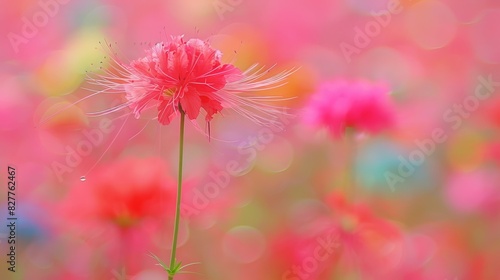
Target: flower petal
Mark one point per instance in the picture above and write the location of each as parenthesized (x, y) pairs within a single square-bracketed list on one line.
[(166, 112), (191, 104)]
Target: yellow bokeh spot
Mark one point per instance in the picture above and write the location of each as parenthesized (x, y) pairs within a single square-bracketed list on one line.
[(63, 71), (193, 12), (466, 150), (242, 45)]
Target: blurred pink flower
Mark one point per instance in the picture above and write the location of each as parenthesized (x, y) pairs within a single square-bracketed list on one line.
[(473, 192), (189, 75), (338, 105)]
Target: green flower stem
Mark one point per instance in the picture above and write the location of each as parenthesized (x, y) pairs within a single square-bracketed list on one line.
[(179, 193), (352, 163), (350, 146)]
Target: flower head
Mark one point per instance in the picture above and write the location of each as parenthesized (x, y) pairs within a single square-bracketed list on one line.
[(188, 76), (338, 105)]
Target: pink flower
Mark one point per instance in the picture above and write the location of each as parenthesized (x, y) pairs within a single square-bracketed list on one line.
[(341, 104), (473, 192), (189, 75)]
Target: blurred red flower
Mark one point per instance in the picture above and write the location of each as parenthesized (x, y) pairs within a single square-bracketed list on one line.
[(369, 244), (121, 210), (351, 239), (127, 192)]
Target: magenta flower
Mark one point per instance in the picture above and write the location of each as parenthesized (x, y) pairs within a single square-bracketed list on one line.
[(338, 105), (189, 75)]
